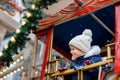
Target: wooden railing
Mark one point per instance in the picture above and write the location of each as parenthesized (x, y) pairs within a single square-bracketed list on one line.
[(80, 72), (87, 67)]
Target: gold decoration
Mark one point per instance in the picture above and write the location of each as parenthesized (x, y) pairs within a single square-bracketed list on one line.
[(13, 40)]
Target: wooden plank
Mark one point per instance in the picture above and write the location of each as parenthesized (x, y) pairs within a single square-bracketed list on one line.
[(71, 71)]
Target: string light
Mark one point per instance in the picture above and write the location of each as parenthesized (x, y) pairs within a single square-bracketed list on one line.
[(8, 74), (4, 77), (18, 60), (4, 70), (0, 53), (26, 26), (23, 22), (33, 6), (15, 71), (1, 72), (18, 69), (11, 73), (18, 31), (28, 14), (6, 47), (21, 57), (14, 62), (22, 67)]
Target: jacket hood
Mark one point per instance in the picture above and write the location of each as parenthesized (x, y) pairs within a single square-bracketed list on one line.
[(95, 50)]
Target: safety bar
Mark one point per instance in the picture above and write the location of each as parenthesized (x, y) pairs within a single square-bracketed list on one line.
[(80, 72)]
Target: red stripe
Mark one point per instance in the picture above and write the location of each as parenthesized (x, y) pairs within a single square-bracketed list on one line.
[(117, 39)]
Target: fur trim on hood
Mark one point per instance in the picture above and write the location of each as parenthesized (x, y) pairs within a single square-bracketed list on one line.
[(95, 50)]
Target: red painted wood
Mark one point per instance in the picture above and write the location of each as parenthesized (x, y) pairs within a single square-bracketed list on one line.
[(47, 51), (72, 11), (117, 39)]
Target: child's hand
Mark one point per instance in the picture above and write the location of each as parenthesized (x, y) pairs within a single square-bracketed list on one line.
[(88, 62), (62, 69)]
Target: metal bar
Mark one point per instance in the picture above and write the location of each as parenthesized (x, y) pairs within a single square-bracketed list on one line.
[(71, 71), (102, 24)]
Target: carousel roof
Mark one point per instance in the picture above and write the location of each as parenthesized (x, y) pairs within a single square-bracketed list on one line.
[(99, 16)]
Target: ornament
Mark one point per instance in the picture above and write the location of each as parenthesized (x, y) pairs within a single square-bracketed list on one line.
[(13, 40), (18, 31)]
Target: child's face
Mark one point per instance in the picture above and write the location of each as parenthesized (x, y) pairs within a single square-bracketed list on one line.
[(76, 53)]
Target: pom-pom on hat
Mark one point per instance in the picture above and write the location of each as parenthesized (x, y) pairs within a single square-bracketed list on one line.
[(83, 41)]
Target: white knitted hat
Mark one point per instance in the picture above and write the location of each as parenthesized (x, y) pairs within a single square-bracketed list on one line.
[(83, 41)]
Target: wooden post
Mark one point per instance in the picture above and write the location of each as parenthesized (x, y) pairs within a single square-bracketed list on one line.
[(63, 77), (80, 75), (47, 51), (34, 52), (50, 56), (117, 38)]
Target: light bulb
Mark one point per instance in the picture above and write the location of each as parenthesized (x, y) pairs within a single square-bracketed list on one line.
[(29, 14), (6, 46), (0, 53), (23, 22), (18, 31), (33, 6), (18, 60), (21, 57)]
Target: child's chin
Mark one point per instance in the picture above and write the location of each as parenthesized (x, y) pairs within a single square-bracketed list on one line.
[(73, 58)]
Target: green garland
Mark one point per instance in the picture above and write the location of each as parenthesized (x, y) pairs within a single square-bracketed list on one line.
[(20, 37)]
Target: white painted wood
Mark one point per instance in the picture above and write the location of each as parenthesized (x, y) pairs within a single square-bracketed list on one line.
[(54, 8), (8, 22), (2, 33)]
